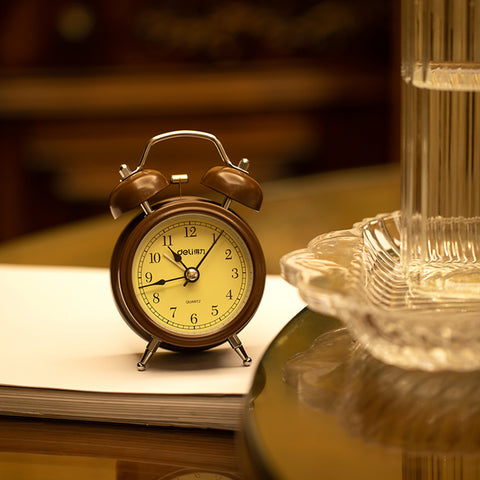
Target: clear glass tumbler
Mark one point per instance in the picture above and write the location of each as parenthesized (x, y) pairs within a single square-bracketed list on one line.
[(441, 147)]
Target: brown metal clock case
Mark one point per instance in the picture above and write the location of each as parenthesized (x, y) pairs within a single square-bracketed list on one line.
[(121, 273)]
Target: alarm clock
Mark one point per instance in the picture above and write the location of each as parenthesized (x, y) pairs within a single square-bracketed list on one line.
[(187, 273)]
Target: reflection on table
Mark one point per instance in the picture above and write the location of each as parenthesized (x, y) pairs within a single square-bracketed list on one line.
[(39, 449), (322, 407)]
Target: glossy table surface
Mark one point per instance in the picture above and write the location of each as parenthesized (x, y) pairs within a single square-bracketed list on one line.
[(44, 449), (294, 211), (322, 407)]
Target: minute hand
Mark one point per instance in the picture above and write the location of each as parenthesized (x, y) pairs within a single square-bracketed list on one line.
[(209, 250)]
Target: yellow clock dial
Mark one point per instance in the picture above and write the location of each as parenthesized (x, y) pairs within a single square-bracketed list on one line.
[(192, 274)]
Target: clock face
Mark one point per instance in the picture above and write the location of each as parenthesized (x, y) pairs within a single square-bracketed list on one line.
[(192, 274)]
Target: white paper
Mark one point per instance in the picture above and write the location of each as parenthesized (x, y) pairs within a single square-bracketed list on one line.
[(59, 328)]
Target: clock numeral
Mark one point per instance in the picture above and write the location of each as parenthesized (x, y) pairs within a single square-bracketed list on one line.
[(155, 257), (234, 272), (148, 277), (214, 311), (173, 310), (228, 254), (156, 298), (229, 295), (167, 240), (190, 232), (193, 318)]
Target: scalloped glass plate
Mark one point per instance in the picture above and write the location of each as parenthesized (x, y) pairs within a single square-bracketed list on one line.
[(356, 276)]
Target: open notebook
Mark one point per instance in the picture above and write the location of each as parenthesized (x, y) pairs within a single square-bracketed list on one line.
[(65, 352)]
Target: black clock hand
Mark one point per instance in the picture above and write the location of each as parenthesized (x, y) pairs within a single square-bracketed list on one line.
[(162, 281), (209, 250), (194, 271), (173, 262), (177, 257)]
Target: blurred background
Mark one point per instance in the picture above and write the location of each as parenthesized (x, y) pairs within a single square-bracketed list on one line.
[(297, 86)]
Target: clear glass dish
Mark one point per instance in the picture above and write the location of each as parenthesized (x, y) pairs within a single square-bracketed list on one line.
[(356, 276)]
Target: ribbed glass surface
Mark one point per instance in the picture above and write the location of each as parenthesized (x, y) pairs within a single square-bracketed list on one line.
[(356, 275), (441, 145)]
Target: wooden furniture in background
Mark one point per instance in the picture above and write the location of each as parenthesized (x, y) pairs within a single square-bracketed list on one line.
[(298, 88)]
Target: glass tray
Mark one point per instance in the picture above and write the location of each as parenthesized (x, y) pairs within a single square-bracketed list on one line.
[(356, 276)]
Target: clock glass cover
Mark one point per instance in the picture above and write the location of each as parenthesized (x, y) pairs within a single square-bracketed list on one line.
[(192, 274)]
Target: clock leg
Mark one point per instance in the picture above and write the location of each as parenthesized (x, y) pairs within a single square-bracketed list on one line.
[(236, 344), (149, 351)]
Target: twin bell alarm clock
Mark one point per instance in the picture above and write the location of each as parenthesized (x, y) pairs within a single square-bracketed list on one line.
[(187, 273)]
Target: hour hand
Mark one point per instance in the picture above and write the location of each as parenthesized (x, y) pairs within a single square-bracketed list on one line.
[(173, 262), (177, 257)]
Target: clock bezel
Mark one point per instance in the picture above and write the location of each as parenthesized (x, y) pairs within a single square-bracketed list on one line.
[(122, 283)]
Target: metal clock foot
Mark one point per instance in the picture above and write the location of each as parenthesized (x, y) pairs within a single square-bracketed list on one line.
[(236, 344), (152, 346)]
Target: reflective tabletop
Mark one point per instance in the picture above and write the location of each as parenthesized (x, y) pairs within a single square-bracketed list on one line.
[(321, 407), (37, 449), (294, 211)]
